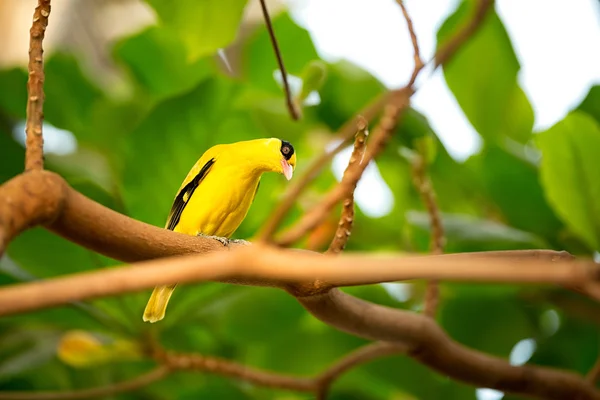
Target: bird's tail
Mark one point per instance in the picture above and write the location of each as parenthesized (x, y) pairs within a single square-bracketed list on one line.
[(157, 304)]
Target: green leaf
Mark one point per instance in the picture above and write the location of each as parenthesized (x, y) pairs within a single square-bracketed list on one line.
[(13, 82), (70, 95), (483, 78), (283, 311), (313, 76), (346, 91), (570, 173), (176, 133), (465, 233), (23, 350), (259, 62), (591, 103), (574, 347), (511, 190), (486, 314), (12, 154), (203, 26), (159, 62), (53, 256)]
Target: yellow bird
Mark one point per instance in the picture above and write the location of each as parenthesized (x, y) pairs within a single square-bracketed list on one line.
[(217, 193)]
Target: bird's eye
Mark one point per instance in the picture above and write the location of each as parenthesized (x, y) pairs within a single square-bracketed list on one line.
[(287, 150)]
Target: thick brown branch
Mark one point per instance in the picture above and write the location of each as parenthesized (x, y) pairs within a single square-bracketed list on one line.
[(34, 154), (30, 199), (429, 345), (260, 265), (95, 227), (99, 392), (445, 52), (43, 197), (344, 135), (361, 355), (344, 229), (288, 93), (119, 236), (392, 111)]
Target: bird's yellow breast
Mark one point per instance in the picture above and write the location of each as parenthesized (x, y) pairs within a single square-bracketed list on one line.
[(219, 205), (217, 193)]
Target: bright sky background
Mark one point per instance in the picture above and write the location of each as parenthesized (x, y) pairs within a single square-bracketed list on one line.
[(555, 41)]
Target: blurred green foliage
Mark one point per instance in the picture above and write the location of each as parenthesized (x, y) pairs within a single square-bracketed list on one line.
[(134, 150)]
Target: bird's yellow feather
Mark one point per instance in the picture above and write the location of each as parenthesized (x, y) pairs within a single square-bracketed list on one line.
[(217, 193)]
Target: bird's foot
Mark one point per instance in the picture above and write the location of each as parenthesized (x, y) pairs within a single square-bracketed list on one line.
[(224, 241), (240, 241)]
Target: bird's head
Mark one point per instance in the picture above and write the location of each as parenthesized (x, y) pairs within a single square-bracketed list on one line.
[(262, 155), (280, 156), (288, 159)]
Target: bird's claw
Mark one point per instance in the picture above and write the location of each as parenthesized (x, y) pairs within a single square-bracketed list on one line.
[(224, 241), (240, 241)]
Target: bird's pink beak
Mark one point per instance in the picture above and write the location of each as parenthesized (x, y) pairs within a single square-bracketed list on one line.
[(288, 171)]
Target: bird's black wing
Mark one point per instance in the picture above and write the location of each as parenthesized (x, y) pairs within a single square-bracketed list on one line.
[(185, 194)]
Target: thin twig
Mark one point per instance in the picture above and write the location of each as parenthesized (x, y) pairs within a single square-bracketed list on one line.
[(343, 136), (104, 391), (344, 228), (443, 54), (219, 366), (425, 188), (359, 356), (288, 93), (381, 135), (34, 153), (413, 37), (397, 103), (446, 51)]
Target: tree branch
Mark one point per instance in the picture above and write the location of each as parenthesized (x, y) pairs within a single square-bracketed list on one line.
[(260, 265), (425, 188), (346, 132), (429, 345), (344, 229), (306, 275), (359, 356), (43, 197), (34, 154), (443, 54), (219, 366), (288, 93), (104, 391), (30, 199), (413, 37), (384, 129), (446, 51)]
